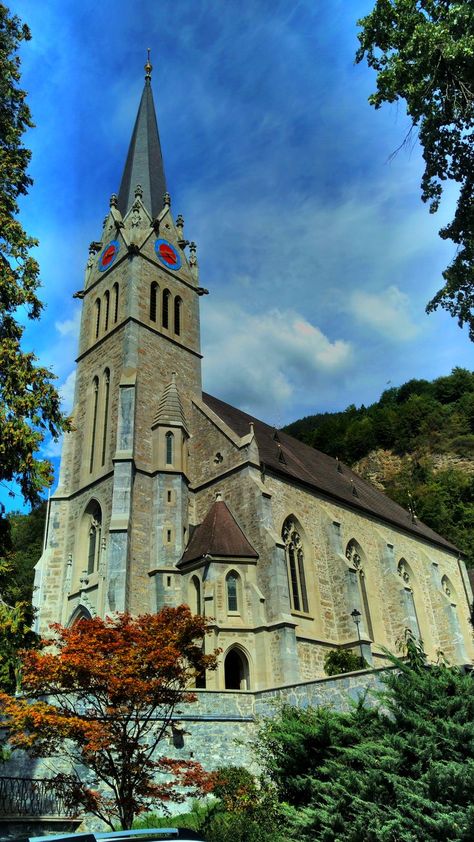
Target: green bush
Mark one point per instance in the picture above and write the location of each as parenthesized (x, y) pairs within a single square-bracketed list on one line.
[(236, 787), (338, 661)]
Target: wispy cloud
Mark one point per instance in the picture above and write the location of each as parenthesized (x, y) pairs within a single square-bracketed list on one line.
[(389, 312)]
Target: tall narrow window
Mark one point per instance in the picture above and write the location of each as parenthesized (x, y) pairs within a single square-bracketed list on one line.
[(95, 401), (106, 412), (411, 616), (196, 595), (97, 317), (115, 290), (355, 556), (177, 315), (232, 582), (365, 603), (295, 566), (169, 448), (107, 310), (153, 300), (94, 515), (165, 316)]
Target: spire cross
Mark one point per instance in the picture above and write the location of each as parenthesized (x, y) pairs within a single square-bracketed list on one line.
[(148, 66)]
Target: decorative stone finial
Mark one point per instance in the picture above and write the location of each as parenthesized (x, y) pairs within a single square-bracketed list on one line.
[(192, 254), (180, 222), (148, 67), (113, 200), (167, 200), (138, 192)]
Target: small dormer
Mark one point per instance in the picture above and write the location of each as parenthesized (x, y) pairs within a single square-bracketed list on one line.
[(170, 432)]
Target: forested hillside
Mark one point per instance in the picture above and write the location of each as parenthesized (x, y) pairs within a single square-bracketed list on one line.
[(417, 443)]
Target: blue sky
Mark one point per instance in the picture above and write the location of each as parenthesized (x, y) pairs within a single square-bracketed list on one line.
[(317, 250)]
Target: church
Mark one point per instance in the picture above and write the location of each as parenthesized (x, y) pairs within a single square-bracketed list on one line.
[(169, 495)]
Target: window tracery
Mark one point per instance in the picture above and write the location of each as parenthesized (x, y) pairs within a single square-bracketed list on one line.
[(405, 573), (93, 516), (295, 566), (354, 557)]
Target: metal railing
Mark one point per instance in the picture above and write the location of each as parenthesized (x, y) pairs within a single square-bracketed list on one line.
[(32, 797)]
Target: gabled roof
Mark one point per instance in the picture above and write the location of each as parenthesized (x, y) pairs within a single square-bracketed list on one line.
[(144, 164), (294, 460), (219, 535)]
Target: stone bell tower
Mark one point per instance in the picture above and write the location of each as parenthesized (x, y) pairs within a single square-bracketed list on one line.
[(120, 513)]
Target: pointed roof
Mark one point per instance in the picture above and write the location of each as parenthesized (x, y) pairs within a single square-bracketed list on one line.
[(218, 535), (170, 409), (291, 459), (144, 164)]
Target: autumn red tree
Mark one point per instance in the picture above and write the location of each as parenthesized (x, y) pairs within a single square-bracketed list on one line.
[(103, 694)]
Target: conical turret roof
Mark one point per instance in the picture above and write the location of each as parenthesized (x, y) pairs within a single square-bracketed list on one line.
[(218, 535), (144, 164), (170, 409)]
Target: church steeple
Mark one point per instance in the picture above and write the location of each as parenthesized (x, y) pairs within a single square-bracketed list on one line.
[(144, 164)]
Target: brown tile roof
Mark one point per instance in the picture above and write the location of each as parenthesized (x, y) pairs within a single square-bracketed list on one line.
[(290, 458), (218, 535)]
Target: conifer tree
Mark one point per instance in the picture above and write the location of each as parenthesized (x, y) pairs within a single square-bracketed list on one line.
[(399, 770)]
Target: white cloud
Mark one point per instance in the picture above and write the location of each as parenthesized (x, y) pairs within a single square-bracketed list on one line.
[(389, 312), (66, 391), (70, 327), (265, 363)]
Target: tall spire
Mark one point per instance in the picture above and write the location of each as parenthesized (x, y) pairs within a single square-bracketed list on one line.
[(144, 164)]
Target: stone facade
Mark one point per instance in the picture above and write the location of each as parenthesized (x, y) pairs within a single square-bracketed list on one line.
[(148, 458)]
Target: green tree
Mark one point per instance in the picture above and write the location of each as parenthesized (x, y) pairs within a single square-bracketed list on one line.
[(26, 545), (29, 403), (398, 770), (15, 636), (423, 52)]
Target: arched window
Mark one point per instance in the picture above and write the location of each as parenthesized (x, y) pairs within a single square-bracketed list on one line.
[(295, 566), (153, 301), (106, 412), (95, 401), (177, 315), (355, 556), (236, 670), (107, 309), (80, 613), (232, 583), (411, 616), (115, 290), (94, 516), (196, 595), (97, 317), (169, 447), (165, 315)]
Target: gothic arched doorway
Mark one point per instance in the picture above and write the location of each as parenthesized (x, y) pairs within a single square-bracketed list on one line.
[(236, 671)]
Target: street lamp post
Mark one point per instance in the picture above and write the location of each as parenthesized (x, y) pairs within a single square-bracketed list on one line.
[(356, 615)]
